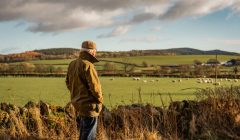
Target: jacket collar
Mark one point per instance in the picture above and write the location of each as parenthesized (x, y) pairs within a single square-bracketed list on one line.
[(89, 57)]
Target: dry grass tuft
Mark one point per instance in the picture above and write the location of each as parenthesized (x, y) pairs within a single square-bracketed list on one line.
[(214, 116)]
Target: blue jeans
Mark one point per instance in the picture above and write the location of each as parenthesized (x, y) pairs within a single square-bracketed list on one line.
[(88, 128)]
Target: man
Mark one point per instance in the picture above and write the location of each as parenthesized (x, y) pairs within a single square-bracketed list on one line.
[(86, 94)]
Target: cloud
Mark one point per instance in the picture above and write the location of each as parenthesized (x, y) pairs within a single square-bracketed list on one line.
[(193, 8), (236, 7), (55, 15), (145, 39), (229, 42), (65, 15), (62, 15), (156, 29), (142, 18), (116, 32)]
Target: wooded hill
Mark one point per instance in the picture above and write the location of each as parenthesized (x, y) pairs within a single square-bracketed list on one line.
[(70, 53), (57, 51), (172, 51)]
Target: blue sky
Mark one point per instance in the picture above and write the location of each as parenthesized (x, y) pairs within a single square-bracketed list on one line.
[(119, 26)]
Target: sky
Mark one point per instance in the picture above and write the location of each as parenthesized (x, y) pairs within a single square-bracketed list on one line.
[(119, 25)]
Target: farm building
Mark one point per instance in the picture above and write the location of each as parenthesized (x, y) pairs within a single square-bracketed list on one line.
[(233, 62)]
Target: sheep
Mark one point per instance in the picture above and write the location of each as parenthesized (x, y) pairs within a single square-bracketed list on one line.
[(174, 81), (205, 81), (136, 78), (145, 81), (211, 81), (180, 80), (235, 80), (217, 83), (111, 79), (199, 80)]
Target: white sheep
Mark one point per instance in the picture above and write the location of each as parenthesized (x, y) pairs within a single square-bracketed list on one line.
[(205, 81), (136, 78)]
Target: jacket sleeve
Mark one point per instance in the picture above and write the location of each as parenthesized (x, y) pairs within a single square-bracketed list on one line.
[(94, 83), (67, 81)]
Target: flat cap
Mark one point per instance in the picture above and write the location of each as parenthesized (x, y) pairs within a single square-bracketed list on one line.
[(89, 45)]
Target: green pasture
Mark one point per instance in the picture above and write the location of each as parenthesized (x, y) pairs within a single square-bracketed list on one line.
[(171, 60), (119, 91), (150, 60), (53, 62)]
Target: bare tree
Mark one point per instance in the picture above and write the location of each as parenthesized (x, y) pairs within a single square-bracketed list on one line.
[(126, 64), (109, 66), (235, 71)]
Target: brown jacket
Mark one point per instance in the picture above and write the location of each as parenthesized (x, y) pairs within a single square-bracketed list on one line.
[(84, 85)]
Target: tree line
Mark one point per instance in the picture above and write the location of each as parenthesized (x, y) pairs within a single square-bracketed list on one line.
[(191, 70), (28, 68)]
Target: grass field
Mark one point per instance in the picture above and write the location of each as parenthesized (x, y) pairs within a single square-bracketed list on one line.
[(154, 60), (169, 60), (150, 60), (121, 90)]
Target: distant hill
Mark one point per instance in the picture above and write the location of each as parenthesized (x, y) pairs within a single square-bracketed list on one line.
[(221, 52), (57, 51), (189, 51), (69, 53), (172, 51), (185, 51)]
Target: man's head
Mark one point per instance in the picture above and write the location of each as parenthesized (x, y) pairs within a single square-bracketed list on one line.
[(90, 47)]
